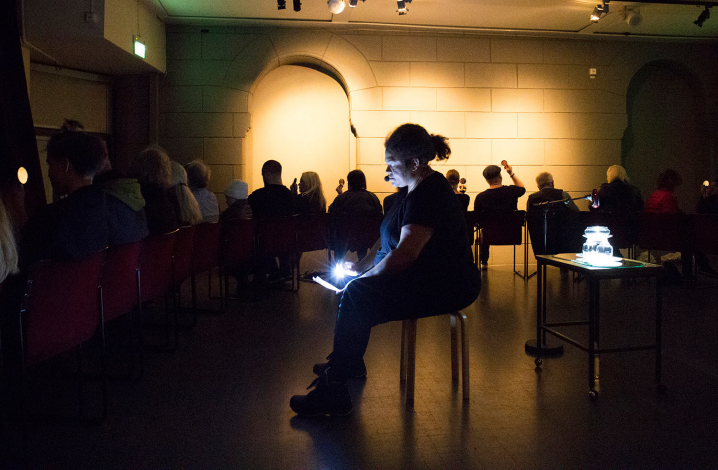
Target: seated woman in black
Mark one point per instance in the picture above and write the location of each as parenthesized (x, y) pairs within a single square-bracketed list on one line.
[(423, 267)]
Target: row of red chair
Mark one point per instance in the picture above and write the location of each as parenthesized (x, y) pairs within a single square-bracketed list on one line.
[(67, 303)]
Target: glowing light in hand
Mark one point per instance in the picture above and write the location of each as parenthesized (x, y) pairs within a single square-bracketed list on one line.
[(340, 271)]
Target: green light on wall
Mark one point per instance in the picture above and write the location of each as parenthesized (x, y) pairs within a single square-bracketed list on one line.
[(139, 47)]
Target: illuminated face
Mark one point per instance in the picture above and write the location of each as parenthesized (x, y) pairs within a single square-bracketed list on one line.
[(57, 171), (399, 175)]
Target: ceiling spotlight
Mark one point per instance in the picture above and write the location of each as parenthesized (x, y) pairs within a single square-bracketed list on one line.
[(281, 4), (632, 17), (705, 14), (336, 6), (599, 11), (297, 5), (353, 3)]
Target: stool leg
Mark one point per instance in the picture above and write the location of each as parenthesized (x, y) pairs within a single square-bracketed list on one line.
[(464, 356), (411, 362), (402, 356), (454, 352)]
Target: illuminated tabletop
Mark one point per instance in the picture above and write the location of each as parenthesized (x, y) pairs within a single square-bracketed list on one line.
[(624, 268)]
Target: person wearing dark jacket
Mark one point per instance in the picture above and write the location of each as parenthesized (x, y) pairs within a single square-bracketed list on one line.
[(618, 194), (125, 207)]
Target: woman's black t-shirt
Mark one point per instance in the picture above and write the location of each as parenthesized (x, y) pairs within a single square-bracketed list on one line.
[(431, 204)]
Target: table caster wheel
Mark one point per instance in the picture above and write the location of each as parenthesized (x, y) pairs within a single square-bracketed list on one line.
[(593, 394), (538, 362)]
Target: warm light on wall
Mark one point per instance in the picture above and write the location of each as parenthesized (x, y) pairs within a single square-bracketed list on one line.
[(22, 175)]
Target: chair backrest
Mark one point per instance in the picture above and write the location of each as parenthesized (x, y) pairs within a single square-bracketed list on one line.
[(182, 255), (312, 232), (205, 247), (563, 232), (471, 222), (356, 230), (623, 226), (502, 227), (670, 232), (119, 280), (61, 308), (156, 265), (277, 236), (238, 237), (705, 227)]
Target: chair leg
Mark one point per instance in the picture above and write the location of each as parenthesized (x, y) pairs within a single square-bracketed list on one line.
[(464, 355), (454, 349), (80, 391), (402, 356)]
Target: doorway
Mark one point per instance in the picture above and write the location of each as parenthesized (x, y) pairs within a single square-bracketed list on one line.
[(300, 117)]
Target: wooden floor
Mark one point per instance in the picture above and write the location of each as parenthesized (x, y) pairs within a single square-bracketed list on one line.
[(221, 400)]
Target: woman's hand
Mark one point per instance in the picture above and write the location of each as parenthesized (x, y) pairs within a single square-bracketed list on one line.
[(340, 188), (293, 187)]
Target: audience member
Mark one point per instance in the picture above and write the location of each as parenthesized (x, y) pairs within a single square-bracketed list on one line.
[(185, 205), (125, 205), (237, 204), (618, 194), (663, 199), (8, 249), (274, 199), (708, 202), (75, 226), (497, 198), (547, 192), (356, 198), (453, 177), (153, 170), (198, 175), (311, 195)]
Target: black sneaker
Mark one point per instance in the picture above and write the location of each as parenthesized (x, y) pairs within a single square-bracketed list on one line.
[(358, 373), (484, 266), (327, 399)]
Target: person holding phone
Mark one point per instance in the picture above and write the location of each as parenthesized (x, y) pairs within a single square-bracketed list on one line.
[(421, 266)]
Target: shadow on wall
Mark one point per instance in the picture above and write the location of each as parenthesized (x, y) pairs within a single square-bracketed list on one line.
[(667, 128)]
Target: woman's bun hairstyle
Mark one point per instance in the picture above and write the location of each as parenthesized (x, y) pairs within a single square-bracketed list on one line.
[(413, 141)]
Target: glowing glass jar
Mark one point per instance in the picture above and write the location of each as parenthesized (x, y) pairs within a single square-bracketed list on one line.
[(596, 244)]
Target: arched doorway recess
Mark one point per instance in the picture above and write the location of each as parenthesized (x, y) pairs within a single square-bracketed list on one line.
[(667, 128), (300, 117)]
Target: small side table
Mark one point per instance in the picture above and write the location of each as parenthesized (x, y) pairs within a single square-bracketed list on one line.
[(627, 269)]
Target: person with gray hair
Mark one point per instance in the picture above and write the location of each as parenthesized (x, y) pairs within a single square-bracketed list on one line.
[(547, 192), (198, 175), (236, 194)]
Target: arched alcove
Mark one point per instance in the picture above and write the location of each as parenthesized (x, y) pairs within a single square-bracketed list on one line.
[(666, 108), (300, 117)]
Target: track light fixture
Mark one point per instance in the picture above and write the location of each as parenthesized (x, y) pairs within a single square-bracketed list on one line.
[(281, 4), (632, 17), (336, 6), (705, 14), (297, 5), (353, 3), (599, 11)]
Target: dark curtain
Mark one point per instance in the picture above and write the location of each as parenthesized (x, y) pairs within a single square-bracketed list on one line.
[(18, 146)]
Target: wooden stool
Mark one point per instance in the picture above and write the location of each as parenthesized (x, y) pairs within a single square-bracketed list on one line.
[(407, 370)]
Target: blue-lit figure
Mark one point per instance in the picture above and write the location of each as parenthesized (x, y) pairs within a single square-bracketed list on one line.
[(421, 266)]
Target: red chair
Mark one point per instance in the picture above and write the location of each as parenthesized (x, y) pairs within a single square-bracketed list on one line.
[(205, 257), (312, 235), (156, 271), (502, 228), (238, 238), (61, 310), (181, 264), (705, 227), (277, 238), (667, 232), (121, 289)]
